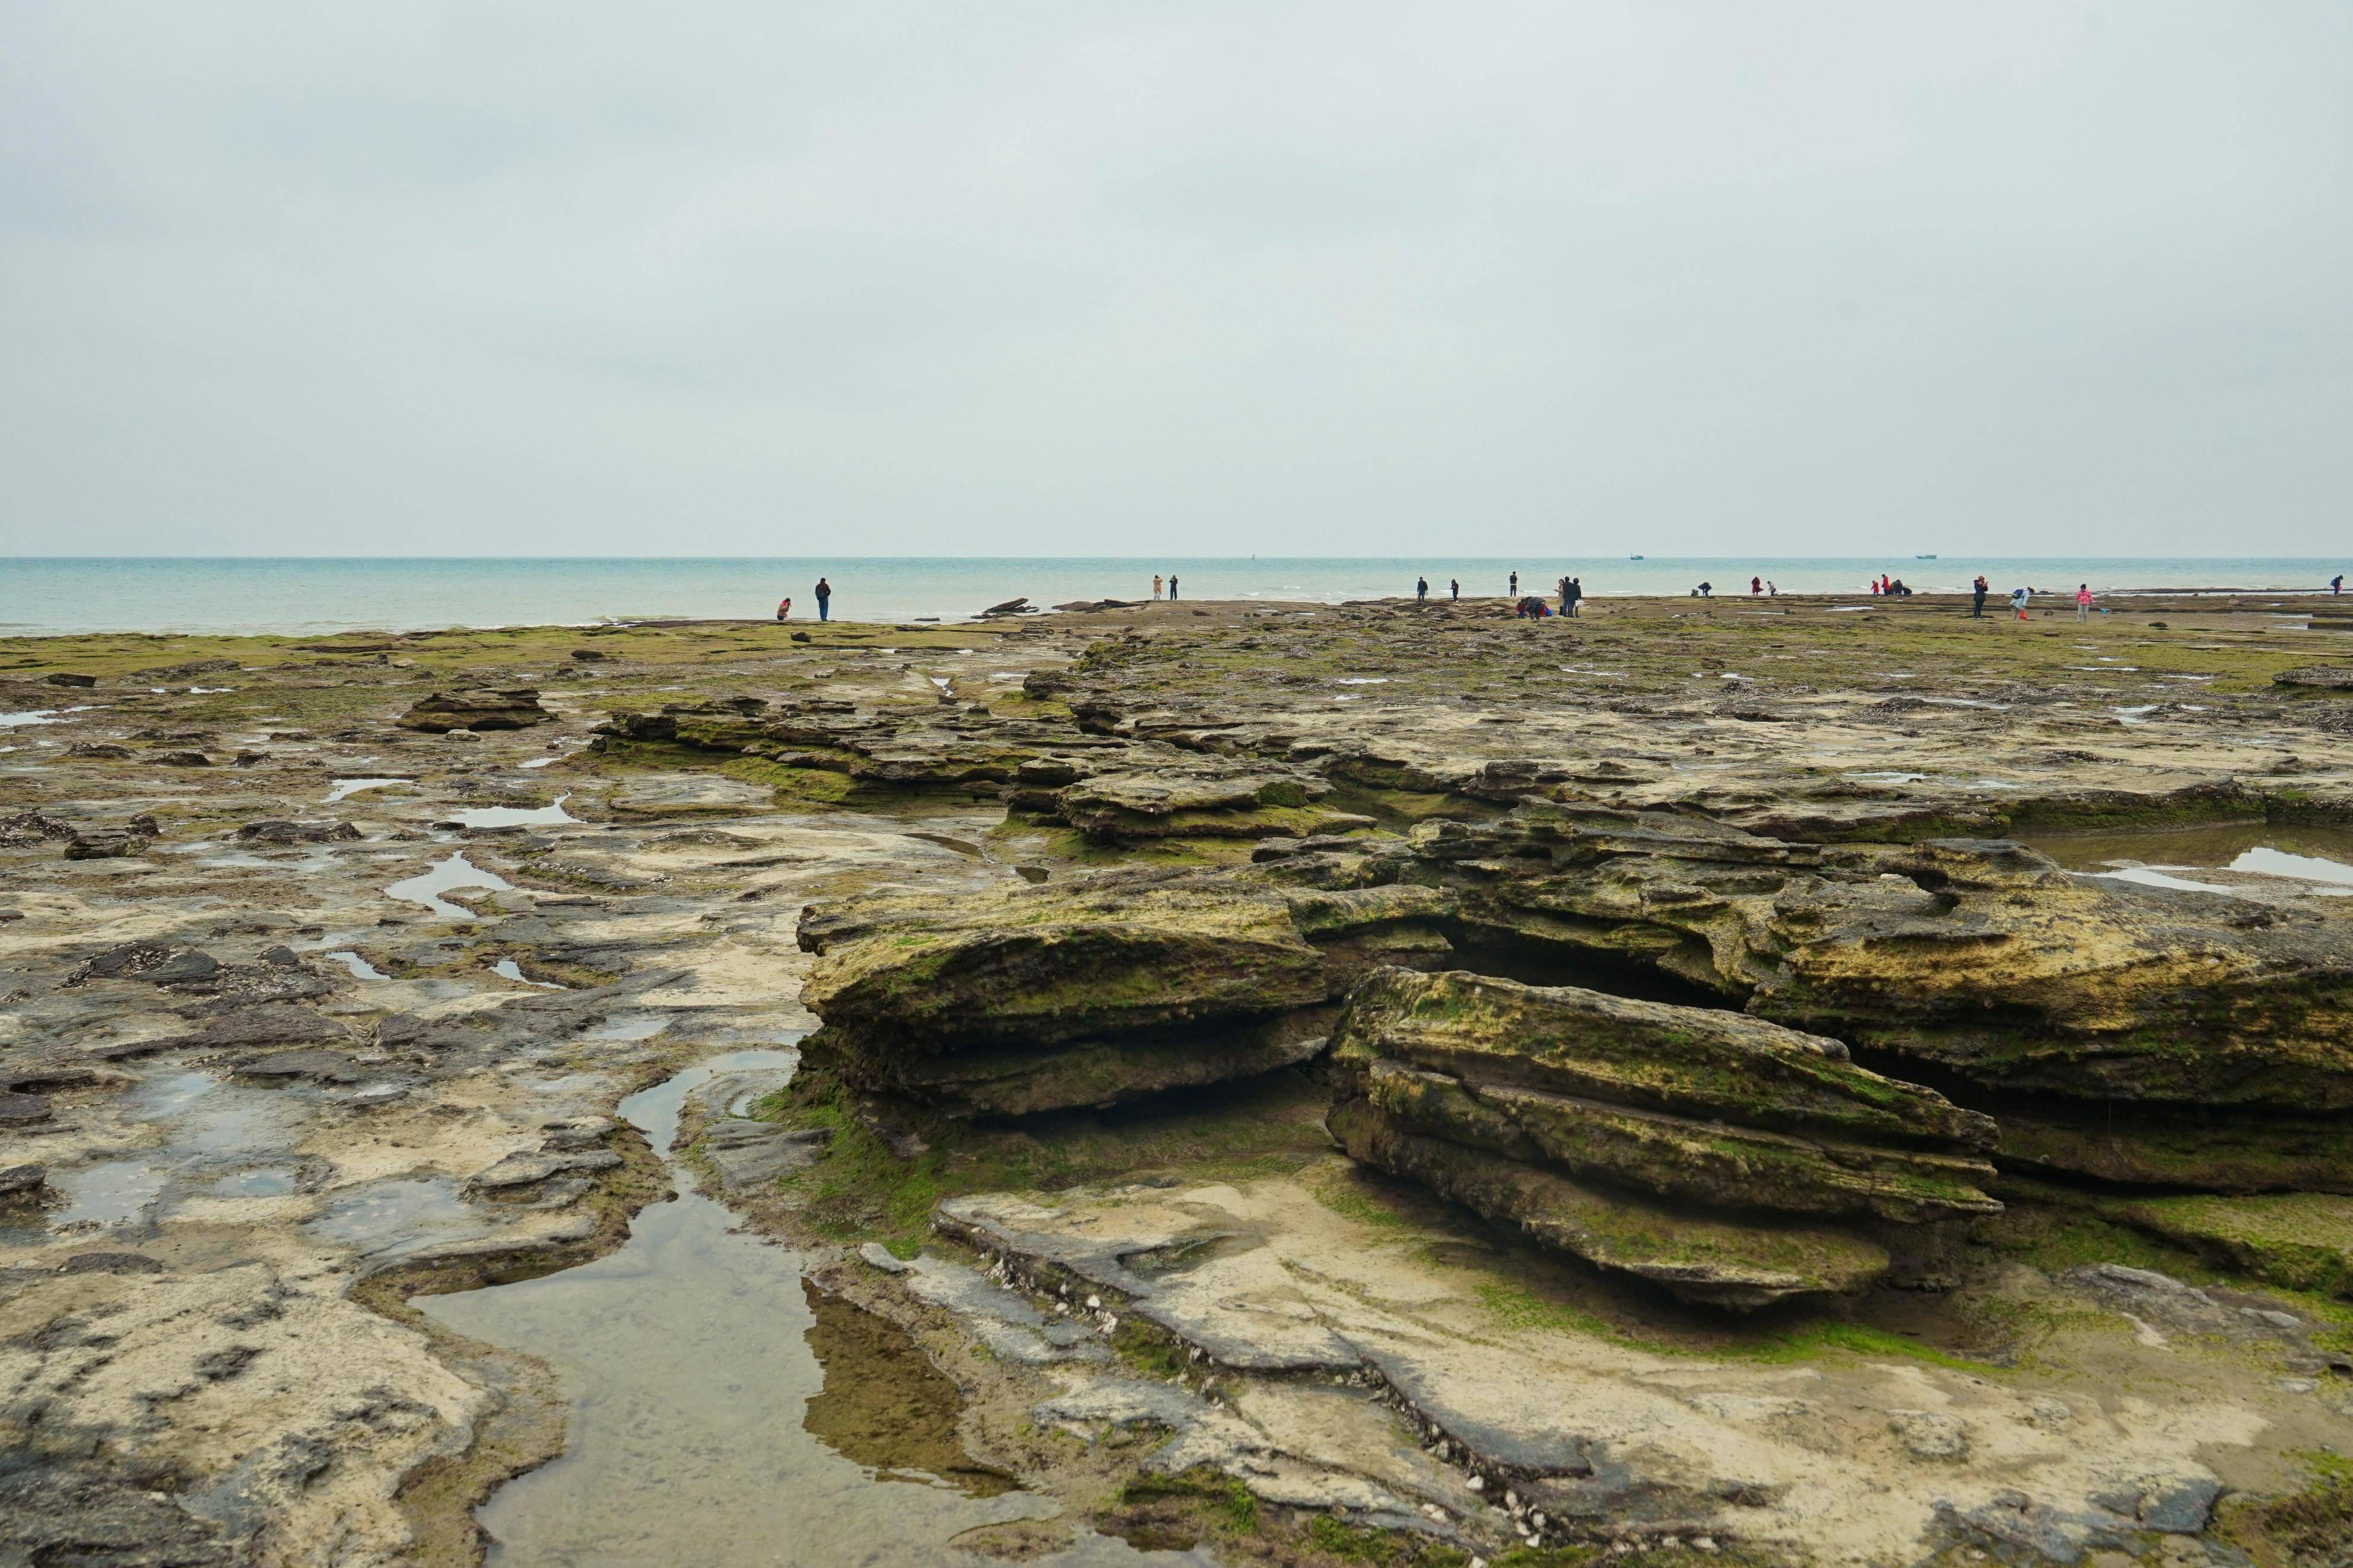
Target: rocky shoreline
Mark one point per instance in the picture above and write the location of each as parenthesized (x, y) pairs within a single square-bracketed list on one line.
[(1764, 1079)]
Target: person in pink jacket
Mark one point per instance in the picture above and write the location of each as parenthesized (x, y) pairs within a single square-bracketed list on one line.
[(2082, 601)]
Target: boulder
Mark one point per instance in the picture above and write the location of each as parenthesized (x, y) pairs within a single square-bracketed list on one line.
[(511, 708), (279, 831), (106, 844), (32, 828), (2316, 678)]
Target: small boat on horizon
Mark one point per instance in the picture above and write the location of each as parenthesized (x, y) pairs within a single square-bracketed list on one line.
[(1923, 558), (1633, 558)]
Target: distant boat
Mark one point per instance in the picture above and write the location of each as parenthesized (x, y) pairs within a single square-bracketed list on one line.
[(1633, 558), (1923, 558)]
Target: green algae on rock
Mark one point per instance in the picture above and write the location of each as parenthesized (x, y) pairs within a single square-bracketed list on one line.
[(1983, 957), (479, 709), (1511, 1099), (2300, 1240), (1094, 989), (1698, 1258), (1695, 1061)]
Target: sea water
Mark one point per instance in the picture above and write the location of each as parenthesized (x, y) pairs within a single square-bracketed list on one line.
[(311, 595)]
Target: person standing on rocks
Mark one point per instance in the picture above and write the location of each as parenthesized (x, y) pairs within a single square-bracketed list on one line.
[(824, 600), (1573, 596), (2082, 601), (1422, 590), (1172, 587), (1976, 599), (1156, 587), (1515, 584), (1454, 590)]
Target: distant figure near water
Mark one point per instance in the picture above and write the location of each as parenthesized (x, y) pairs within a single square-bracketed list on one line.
[(1515, 584), (1422, 590), (1572, 595), (1172, 587), (824, 600), (2337, 584), (785, 608), (2082, 601), (1156, 587), (1977, 591), (1454, 590)]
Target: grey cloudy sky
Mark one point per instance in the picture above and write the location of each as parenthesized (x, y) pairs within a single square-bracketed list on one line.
[(1353, 277)]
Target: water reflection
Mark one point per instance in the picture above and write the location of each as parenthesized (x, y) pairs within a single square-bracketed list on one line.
[(725, 1415)]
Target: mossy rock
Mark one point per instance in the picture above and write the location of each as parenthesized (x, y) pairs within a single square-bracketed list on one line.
[(1692, 1061), (2218, 1150), (1088, 1073), (1042, 965), (1698, 1258), (2303, 1241), (1721, 1166)]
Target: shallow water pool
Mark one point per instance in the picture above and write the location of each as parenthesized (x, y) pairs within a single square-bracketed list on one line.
[(724, 1415)]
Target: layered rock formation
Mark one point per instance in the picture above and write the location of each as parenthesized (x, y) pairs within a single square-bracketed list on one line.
[(1094, 990), (1598, 1125), (1113, 789), (2054, 998), (485, 708)]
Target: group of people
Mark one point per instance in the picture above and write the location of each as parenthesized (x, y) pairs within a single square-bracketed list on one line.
[(1524, 606), (1572, 592), (2021, 597), (822, 593)]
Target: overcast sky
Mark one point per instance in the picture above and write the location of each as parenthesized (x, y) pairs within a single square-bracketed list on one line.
[(1197, 277)]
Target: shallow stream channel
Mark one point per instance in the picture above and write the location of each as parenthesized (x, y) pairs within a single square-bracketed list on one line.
[(726, 1414)]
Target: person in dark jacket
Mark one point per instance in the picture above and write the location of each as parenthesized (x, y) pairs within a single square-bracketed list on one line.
[(824, 600)]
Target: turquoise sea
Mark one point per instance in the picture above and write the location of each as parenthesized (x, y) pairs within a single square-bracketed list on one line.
[(315, 594)]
